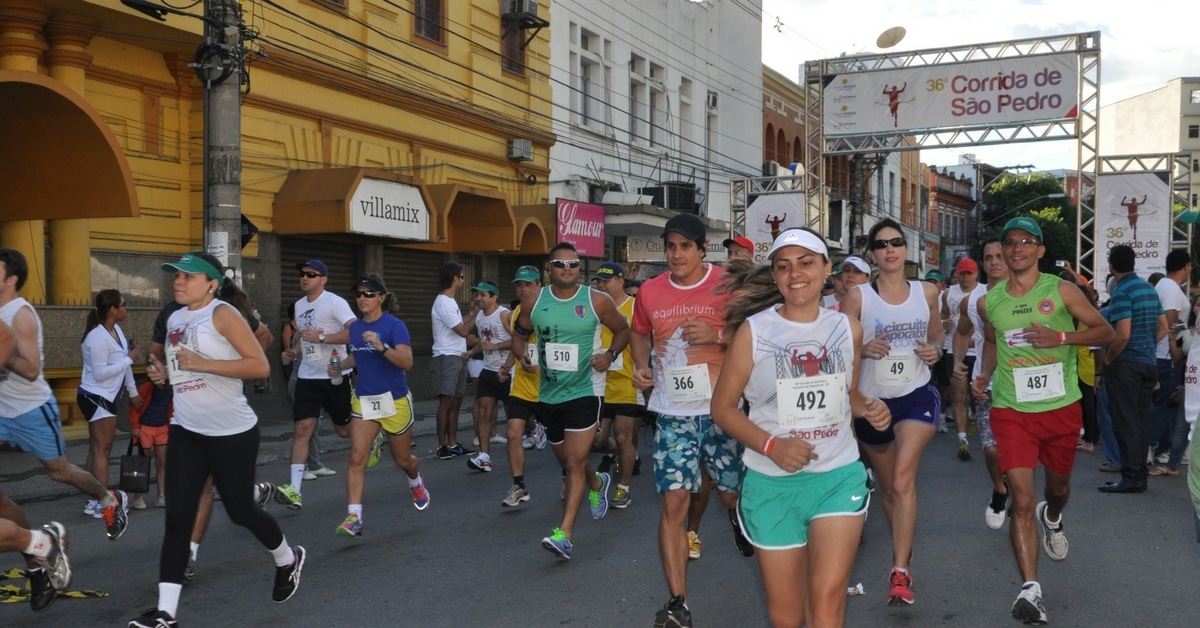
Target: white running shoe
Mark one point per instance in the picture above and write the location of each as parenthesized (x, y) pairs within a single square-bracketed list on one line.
[(1054, 540)]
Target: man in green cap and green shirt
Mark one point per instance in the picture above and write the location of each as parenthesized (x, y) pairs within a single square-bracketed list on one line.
[(1028, 330)]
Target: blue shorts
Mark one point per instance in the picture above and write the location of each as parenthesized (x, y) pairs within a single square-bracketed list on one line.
[(923, 405), (38, 431), (679, 445), (775, 511)]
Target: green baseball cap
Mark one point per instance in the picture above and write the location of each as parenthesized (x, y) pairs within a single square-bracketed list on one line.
[(935, 275), (528, 273), (486, 286), (1024, 223), (195, 265)]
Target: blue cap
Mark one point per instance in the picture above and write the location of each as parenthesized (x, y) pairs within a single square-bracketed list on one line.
[(609, 270), (316, 265)]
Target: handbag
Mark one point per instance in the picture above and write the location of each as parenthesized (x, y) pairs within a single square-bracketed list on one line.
[(135, 470)]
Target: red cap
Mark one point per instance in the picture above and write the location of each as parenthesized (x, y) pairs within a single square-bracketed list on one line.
[(742, 241), (966, 265)]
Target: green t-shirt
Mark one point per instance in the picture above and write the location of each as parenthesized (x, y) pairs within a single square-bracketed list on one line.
[(1028, 379), (568, 333)]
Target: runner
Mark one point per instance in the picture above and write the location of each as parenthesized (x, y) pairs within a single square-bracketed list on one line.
[(492, 324), (567, 317), (678, 348), (967, 286), (620, 397), (1028, 327), (795, 363), (903, 339), (381, 349), (210, 352), (523, 397)]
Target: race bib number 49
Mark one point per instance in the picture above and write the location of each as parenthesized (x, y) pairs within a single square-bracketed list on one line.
[(811, 402), (688, 383), (896, 369)]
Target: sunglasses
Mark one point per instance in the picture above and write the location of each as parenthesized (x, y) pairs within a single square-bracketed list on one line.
[(1011, 242), (310, 274), (883, 244), (566, 263), (366, 294)]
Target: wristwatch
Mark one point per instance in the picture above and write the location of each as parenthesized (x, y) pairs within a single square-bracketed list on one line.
[(386, 346), (612, 354), (320, 337)]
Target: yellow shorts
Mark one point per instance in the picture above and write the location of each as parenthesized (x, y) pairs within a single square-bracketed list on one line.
[(398, 423)]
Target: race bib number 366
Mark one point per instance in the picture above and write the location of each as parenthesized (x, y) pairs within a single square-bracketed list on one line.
[(688, 383)]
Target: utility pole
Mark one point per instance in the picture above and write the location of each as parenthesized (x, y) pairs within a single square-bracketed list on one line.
[(219, 66)]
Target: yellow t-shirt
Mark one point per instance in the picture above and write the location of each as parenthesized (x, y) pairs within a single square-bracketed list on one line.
[(618, 386), (524, 384), (1087, 361)]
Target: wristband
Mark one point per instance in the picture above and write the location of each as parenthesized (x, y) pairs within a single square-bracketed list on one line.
[(1062, 337), (768, 445)]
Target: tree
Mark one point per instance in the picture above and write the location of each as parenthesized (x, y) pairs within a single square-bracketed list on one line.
[(1015, 195)]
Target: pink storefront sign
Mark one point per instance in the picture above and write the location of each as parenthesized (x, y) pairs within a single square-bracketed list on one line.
[(582, 224)]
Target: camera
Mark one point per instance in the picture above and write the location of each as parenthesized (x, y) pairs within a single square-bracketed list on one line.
[(1060, 263)]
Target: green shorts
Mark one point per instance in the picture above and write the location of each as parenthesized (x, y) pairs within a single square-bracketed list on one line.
[(775, 511)]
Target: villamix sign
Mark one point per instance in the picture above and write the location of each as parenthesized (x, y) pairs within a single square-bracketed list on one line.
[(388, 209)]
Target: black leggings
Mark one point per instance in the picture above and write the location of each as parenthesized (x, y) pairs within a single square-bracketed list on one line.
[(191, 457)]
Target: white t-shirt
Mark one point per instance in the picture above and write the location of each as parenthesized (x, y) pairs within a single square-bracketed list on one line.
[(106, 364), (17, 394), (205, 403), (447, 316), (328, 314), (1171, 295), (953, 296)]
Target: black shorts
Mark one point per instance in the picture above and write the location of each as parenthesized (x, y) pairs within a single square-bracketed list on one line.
[(576, 415), (944, 369), (489, 385), (313, 395), (519, 409), (614, 410), (90, 403)]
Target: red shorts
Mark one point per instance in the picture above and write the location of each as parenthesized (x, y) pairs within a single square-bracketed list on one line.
[(151, 436), (1023, 438)]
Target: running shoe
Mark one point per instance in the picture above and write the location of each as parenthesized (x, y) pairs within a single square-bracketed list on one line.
[(154, 618), (1029, 607), (287, 579), (694, 545), (621, 498), (58, 567), (744, 547), (673, 614), (189, 572), (287, 495), (964, 450), (558, 544), (516, 495), (539, 435), (138, 503), (480, 462), (1054, 539), (475, 442), (93, 509), (116, 517), (443, 453), (527, 440), (351, 527), (498, 439), (266, 492), (606, 463), (161, 503), (320, 472), (376, 450), (420, 496), (458, 450), (995, 513), (598, 500), (901, 592)]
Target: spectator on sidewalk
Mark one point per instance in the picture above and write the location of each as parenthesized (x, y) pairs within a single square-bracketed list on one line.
[(1168, 355), (450, 331)]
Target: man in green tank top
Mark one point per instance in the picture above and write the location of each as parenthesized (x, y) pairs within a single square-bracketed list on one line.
[(1029, 323), (567, 317)]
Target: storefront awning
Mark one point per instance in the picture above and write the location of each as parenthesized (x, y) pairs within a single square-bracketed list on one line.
[(354, 203), (60, 160), (535, 229), (469, 219)]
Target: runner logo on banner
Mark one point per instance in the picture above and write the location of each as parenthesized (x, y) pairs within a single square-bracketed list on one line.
[(1134, 209), (768, 216)]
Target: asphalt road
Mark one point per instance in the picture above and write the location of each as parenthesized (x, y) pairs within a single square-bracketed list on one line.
[(466, 560)]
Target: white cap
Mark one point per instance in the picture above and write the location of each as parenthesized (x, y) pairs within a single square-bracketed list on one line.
[(856, 262), (798, 237)]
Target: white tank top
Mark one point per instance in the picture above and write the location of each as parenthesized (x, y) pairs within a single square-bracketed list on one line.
[(17, 394), (976, 347), (901, 372), (954, 296), (800, 387), (207, 404), (492, 331)]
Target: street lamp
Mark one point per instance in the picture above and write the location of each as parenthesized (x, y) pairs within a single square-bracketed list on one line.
[(984, 225)]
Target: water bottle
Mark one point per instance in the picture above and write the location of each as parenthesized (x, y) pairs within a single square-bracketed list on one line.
[(335, 363)]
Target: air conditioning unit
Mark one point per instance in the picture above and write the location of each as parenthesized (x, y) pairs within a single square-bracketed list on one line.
[(711, 101), (772, 169), (520, 150), (674, 195), (519, 7)]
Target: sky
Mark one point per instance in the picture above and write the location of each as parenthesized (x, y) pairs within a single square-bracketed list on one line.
[(1143, 44)]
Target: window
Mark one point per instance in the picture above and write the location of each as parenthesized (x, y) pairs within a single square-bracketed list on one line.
[(1195, 165), (658, 105), (685, 116), (512, 55), (1194, 130), (587, 91), (638, 101), (427, 19), (1196, 96)]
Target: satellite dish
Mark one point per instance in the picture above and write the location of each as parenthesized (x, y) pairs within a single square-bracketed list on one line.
[(890, 37)]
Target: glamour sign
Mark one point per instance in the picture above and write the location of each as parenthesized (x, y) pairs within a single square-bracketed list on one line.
[(1015, 90), (581, 224), (389, 209)]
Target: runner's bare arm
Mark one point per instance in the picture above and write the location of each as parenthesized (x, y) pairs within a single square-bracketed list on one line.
[(25, 360)]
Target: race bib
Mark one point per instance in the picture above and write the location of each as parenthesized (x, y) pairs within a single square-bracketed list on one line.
[(376, 407), (531, 353), (618, 363), (1016, 338), (811, 402), (1039, 383), (688, 383), (178, 375), (896, 369), (311, 352), (561, 356)]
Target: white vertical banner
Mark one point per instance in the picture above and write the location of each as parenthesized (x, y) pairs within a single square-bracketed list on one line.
[(770, 214), (1134, 209)]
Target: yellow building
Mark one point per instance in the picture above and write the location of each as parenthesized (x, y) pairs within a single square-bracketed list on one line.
[(101, 159)]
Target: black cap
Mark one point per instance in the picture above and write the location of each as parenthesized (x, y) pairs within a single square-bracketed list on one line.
[(688, 225)]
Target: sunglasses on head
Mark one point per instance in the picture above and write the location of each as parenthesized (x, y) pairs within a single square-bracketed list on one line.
[(883, 244), (366, 294), (310, 274), (565, 263)]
